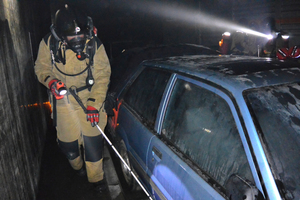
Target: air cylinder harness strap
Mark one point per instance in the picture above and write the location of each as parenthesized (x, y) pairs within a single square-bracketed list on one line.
[(89, 80), (90, 54)]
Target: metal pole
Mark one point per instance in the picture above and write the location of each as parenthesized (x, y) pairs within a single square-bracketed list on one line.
[(118, 154)]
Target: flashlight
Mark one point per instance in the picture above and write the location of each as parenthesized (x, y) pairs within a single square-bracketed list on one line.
[(285, 37), (226, 34), (270, 37), (61, 88)]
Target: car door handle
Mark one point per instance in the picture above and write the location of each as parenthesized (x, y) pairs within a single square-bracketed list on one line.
[(156, 152)]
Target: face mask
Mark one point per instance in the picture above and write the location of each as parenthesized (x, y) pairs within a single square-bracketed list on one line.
[(77, 44)]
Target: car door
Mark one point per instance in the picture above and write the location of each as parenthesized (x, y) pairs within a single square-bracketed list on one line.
[(137, 114), (199, 146)]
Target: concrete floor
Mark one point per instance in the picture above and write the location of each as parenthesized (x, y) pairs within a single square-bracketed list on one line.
[(58, 181)]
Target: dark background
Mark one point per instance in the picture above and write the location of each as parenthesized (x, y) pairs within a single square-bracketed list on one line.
[(125, 24), (121, 24)]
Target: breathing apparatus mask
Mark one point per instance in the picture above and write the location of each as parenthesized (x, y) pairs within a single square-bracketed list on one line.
[(77, 44)]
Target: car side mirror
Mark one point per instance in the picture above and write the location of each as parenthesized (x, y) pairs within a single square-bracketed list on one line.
[(239, 189)]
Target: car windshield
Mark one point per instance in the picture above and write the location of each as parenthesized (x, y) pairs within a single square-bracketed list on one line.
[(277, 113)]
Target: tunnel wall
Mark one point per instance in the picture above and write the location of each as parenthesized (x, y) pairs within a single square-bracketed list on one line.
[(22, 118)]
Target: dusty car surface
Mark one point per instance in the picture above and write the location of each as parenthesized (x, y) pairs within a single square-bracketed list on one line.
[(211, 127)]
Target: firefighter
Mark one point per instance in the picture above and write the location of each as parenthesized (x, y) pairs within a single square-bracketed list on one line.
[(268, 27), (243, 43), (279, 38), (252, 40), (71, 56)]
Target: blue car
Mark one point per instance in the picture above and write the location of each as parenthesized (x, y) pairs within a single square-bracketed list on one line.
[(211, 127)]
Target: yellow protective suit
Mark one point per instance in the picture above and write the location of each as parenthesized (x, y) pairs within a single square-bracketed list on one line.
[(72, 127)]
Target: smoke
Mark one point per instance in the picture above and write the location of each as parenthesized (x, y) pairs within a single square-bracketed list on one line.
[(188, 16)]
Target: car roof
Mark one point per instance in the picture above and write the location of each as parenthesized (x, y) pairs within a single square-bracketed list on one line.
[(128, 61), (233, 72)]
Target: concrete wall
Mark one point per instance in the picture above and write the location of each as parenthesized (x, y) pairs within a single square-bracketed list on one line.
[(22, 122)]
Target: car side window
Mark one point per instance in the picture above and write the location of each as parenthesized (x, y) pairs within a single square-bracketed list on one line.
[(200, 124), (145, 94)]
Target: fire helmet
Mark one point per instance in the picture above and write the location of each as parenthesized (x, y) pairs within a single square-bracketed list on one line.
[(72, 27)]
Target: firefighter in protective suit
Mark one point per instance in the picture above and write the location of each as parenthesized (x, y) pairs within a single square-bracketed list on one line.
[(72, 57), (243, 43)]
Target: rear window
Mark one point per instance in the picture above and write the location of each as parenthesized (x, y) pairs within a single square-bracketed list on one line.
[(277, 114), (145, 94)]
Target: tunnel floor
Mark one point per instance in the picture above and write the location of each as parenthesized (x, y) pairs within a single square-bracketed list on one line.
[(58, 181)]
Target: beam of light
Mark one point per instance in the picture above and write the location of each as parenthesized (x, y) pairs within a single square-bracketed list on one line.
[(252, 32), (190, 16)]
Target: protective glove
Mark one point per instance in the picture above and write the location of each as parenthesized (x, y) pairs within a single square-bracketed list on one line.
[(57, 88), (92, 115)]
